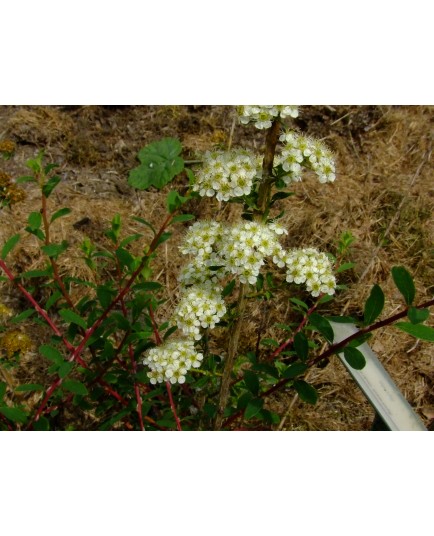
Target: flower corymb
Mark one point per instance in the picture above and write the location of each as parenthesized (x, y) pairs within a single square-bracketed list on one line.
[(227, 174), (263, 115), (172, 360)]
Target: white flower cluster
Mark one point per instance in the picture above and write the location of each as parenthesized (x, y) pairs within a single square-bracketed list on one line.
[(202, 243), (263, 116), (301, 151), (172, 360), (222, 250), (227, 174), (246, 245), (201, 306), (311, 267)]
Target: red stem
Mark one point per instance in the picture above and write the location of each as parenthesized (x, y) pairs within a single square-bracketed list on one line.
[(172, 405), (297, 330), (333, 349), (133, 361)]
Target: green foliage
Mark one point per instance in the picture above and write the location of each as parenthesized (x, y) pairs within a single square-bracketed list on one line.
[(9, 245), (301, 345), (420, 331), (322, 325), (404, 283), (160, 163), (354, 358), (306, 392), (416, 316), (374, 305), (60, 213)]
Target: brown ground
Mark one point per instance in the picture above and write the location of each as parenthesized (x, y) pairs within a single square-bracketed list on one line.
[(384, 195)]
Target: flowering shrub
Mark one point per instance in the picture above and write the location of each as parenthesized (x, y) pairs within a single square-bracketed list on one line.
[(111, 355)]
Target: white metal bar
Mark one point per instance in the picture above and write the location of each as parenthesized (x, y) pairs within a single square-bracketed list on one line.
[(378, 386)]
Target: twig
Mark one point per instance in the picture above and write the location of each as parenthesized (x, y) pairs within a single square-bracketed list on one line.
[(172, 405), (234, 337)]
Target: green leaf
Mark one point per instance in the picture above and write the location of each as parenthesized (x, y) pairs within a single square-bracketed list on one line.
[(252, 382), (322, 325), (50, 167), (51, 353), (163, 238), (182, 218), (54, 250), (25, 387), (105, 296), (73, 318), (37, 232), (354, 358), (65, 368), (294, 370), (37, 273), (2, 389), (22, 316), (9, 246), (41, 425), (227, 291), (35, 164), (416, 316), (253, 408), (298, 302), (305, 391), (360, 340), (125, 258), (342, 319), (75, 387), (420, 331), (34, 220), (14, 414), (280, 195), (175, 201), (49, 186), (374, 305), (129, 239), (144, 222), (266, 368), (404, 283), (25, 178), (270, 342), (117, 417), (345, 266), (53, 299), (301, 345), (148, 285), (160, 163), (60, 213)]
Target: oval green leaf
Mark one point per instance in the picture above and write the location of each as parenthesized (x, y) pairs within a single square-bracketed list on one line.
[(374, 305), (73, 318), (420, 331), (9, 246), (354, 358), (253, 408), (306, 392), (404, 283), (416, 316), (75, 387)]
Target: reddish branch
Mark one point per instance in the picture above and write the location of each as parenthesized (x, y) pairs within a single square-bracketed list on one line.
[(333, 349), (76, 351)]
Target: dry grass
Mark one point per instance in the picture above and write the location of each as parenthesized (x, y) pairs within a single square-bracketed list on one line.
[(384, 195)]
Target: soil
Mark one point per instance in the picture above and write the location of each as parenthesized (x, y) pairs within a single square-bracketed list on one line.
[(384, 195)]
